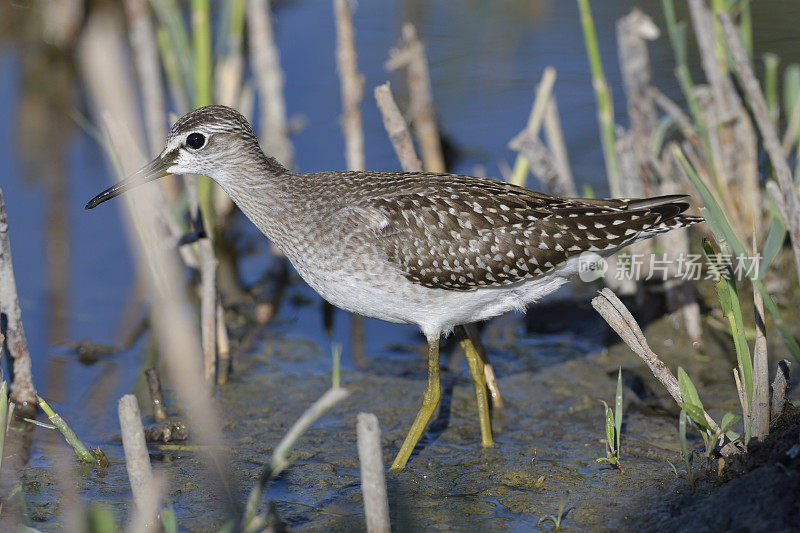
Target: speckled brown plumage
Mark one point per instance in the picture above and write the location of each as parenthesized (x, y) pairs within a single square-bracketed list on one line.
[(460, 233)]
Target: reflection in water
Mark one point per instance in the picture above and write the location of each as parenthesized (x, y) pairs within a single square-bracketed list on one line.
[(44, 131)]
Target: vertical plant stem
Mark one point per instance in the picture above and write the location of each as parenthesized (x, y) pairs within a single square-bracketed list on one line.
[(373, 482), (23, 392), (352, 86), (423, 118), (758, 106), (156, 395), (555, 141), (230, 66), (397, 129), (265, 62), (137, 459), (223, 346), (201, 36), (544, 90), (618, 414), (759, 407), (172, 71), (171, 18), (208, 308), (605, 106)]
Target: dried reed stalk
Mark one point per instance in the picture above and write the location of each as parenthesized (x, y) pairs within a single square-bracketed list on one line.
[(397, 129), (759, 411), (101, 57), (208, 308), (156, 395), (23, 393), (352, 86), (265, 62), (223, 347), (620, 319), (555, 142), (411, 54), (755, 99), (531, 132), (780, 389), (137, 459), (373, 482)]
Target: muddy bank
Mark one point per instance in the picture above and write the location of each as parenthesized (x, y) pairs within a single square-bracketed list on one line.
[(546, 439)]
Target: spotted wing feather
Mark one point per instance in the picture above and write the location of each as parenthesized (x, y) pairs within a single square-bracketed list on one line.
[(463, 235)]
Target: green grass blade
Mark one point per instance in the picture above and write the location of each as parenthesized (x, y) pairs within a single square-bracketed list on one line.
[(72, 439), (771, 86), (688, 391), (716, 219), (727, 421), (775, 239), (618, 413), (169, 523), (731, 308), (696, 414), (169, 15), (609, 430), (605, 107)]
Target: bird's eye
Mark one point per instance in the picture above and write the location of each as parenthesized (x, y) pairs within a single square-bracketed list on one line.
[(195, 140)]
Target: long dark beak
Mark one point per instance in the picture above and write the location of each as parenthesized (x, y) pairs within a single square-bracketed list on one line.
[(151, 171)]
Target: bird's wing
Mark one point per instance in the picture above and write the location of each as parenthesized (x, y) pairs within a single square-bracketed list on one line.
[(463, 235)]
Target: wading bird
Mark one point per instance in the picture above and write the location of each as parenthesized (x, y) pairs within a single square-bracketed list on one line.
[(434, 250)]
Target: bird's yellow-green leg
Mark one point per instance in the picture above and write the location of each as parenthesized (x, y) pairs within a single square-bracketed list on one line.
[(430, 399), (476, 372)]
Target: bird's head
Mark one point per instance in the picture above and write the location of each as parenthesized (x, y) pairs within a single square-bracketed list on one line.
[(205, 141)]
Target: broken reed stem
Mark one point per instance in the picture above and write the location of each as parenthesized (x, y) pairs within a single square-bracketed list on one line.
[(229, 69), (780, 389), (620, 319), (555, 141), (423, 118), (279, 460), (758, 106), (759, 412), (265, 62), (22, 390), (145, 518), (223, 346), (208, 308), (605, 108), (156, 395), (72, 439), (373, 481), (519, 175), (145, 54), (137, 459), (144, 45), (397, 129), (352, 86)]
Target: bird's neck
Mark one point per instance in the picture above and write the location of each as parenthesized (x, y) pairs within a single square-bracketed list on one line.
[(266, 193)]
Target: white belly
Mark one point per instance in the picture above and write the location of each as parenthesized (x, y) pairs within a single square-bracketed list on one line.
[(434, 311)]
